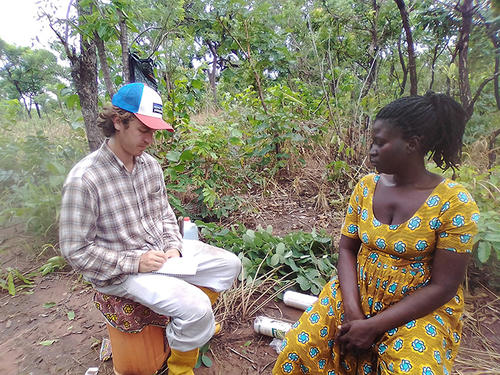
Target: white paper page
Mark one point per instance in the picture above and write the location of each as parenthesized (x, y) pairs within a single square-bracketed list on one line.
[(179, 266)]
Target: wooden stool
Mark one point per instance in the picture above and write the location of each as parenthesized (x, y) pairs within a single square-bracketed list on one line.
[(137, 335)]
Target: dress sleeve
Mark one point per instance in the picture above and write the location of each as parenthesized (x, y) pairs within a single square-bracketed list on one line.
[(458, 221), (350, 227)]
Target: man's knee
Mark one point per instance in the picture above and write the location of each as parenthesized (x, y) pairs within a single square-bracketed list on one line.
[(233, 265), (197, 306)]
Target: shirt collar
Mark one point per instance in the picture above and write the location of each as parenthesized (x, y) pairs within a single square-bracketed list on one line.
[(110, 155)]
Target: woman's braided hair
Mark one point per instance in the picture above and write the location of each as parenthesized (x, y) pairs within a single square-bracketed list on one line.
[(437, 119)]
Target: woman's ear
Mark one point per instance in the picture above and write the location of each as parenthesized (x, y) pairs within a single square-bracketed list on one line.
[(414, 144)]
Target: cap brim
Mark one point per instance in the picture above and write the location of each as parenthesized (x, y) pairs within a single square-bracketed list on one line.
[(154, 122)]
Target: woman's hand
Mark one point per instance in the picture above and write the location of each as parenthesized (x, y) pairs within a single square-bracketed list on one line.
[(356, 335), (353, 314)]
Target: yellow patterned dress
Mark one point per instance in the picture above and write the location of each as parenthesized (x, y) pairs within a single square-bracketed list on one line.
[(394, 261)]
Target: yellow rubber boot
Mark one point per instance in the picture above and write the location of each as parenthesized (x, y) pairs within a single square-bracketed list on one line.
[(182, 363), (211, 294), (213, 298)]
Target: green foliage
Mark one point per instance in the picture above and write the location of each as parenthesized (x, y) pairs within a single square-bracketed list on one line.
[(26, 73), (203, 358), (53, 264), (304, 258), (13, 281), (32, 170), (485, 188), (9, 112)]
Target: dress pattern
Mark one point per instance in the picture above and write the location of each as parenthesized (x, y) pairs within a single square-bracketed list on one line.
[(394, 261)]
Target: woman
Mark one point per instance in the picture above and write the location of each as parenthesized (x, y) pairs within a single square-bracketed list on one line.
[(406, 241)]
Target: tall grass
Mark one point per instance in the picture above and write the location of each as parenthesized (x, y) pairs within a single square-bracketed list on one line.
[(35, 157)]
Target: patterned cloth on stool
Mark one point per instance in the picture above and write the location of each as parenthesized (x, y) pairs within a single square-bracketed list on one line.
[(137, 335), (127, 315)]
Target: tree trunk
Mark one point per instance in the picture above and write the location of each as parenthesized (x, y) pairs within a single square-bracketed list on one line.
[(403, 67), (372, 52), (492, 155), (101, 52), (84, 76), (495, 82), (492, 34), (433, 65), (124, 45), (37, 106), (412, 65), (467, 10), (211, 73)]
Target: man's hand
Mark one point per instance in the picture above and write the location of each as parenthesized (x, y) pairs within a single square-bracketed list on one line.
[(172, 253), (152, 260)]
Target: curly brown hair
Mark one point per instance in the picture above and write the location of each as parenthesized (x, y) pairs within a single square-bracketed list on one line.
[(105, 119)]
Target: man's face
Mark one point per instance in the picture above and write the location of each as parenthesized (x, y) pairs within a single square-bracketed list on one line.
[(135, 138)]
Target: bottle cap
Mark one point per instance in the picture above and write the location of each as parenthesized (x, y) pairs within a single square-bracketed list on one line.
[(187, 218)]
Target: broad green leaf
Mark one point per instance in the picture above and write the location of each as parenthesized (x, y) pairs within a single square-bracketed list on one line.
[(10, 284), (71, 315), (275, 259), (48, 342), (280, 248), (187, 155), (483, 251), (173, 156), (206, 361), (49, 305), (492, 237), (197, 84), (198, 361)]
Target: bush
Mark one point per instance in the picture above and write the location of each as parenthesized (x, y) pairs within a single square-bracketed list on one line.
[(32, 171)]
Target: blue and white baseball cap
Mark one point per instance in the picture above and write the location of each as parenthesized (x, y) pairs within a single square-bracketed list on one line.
[(144, 103)]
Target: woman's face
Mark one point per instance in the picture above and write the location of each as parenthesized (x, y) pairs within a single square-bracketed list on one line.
[(389, 151)]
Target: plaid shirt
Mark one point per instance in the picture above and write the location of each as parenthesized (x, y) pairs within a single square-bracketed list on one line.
[(110, 216)]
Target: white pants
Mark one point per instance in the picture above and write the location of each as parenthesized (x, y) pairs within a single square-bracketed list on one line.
[(192, 319)]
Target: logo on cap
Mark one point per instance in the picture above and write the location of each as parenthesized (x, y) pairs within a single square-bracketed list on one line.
[(157, 108)]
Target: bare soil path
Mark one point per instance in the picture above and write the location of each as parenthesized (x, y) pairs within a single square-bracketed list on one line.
[(46, 313)]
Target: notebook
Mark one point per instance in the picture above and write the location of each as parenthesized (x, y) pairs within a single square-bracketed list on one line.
[(179, 266)]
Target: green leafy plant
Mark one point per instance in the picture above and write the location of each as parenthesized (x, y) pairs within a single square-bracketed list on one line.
[(299, 257), (32, 171), (53, 264), (485, 188), (13, 281), (203, 358)]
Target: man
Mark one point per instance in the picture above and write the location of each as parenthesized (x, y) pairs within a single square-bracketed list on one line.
[(116, 226)]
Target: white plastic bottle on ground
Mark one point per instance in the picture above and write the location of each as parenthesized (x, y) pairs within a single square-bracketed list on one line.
[(298, 300), (190, 229), (271, 327)]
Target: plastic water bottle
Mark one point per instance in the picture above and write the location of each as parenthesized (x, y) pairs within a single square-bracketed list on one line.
[(190, 229), (271, 327), (298, 300)]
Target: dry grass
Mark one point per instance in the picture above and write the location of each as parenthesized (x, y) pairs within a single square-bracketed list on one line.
[(480, 353), (251, 295), (48, 127)]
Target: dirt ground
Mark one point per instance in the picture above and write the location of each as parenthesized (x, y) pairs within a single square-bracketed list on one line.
[(41, 314)]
